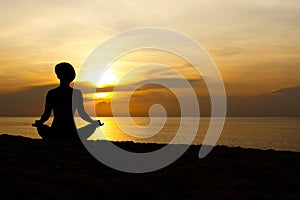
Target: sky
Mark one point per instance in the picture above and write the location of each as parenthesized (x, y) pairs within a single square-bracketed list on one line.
[(255, 45)]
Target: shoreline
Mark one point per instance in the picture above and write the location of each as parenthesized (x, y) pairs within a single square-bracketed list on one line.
[(162, 144)]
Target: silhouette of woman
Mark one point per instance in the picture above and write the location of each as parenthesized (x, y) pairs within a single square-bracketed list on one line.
[(60, 101)]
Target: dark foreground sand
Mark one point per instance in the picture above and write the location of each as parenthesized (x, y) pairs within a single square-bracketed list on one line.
[(40, 169)]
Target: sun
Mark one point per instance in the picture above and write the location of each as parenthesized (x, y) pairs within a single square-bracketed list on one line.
[(109, 78), (102, 95)]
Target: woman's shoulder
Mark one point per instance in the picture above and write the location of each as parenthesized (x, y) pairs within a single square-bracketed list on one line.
[(52, 91), (59, 90), (77, 95)]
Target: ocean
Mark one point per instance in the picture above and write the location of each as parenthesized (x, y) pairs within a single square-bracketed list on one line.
[(278, 133)]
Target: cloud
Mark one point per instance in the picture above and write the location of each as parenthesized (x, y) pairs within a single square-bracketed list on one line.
[(292, 92), (262, 45), (283, 102), (28, 101), (280, 103), (37, 34), (151, 84)]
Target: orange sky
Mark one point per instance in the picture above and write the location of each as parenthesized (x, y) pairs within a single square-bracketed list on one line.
[(255, 44)]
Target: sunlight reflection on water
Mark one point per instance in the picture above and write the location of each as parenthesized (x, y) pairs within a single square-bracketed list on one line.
[(249, 132)]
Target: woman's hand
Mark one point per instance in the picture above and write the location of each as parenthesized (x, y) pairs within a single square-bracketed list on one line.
[(98, 123)]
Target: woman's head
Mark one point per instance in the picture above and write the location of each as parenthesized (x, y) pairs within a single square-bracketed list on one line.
[(65, 72)]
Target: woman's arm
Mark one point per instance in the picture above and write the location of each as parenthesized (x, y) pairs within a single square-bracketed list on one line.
[(47, 111), (48, 108), (80, 107)]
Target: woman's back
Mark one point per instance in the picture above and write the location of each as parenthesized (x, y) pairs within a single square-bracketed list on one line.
[(60, 99)]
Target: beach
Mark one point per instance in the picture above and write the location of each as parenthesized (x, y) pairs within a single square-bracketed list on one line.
[(35, 168)]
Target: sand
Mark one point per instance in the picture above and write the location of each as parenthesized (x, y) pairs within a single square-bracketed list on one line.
[(32, 168)]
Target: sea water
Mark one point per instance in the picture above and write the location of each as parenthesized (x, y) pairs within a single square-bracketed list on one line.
[(278, 133)]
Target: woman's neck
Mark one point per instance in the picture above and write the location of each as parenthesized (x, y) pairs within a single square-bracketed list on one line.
[(64, 84)]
